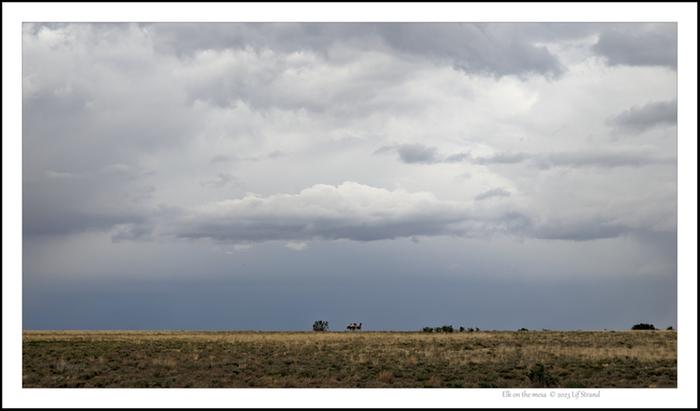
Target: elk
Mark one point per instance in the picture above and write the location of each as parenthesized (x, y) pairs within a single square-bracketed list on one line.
[(354, 326)]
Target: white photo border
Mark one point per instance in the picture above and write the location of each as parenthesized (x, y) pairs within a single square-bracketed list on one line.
[(13, 14)]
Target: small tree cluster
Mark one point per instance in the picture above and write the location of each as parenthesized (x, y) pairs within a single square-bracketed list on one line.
[(321, 325), (448, 329), (643, 326)]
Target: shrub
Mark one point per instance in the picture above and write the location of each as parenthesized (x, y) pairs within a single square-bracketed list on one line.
[(523, 329), (540, 377), (669, 328), (427, 329), (321, 325), (447, 329), (461, 329), (643, 326), (386, 377)]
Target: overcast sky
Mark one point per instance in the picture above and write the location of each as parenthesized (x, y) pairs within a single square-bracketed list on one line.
[(264, 176)]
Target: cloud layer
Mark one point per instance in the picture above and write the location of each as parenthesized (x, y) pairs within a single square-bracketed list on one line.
[(282, 162)]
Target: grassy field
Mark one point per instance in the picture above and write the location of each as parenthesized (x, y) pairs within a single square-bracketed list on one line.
[(349, 359)]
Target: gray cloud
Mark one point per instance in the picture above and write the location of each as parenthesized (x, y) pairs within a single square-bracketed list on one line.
[(576, 159), (582, 230), (59, 203), (641, 118), (421, 154), (495, 192), (53, 218), (487, 48), (221, 180), (639, 45), (416, 153)]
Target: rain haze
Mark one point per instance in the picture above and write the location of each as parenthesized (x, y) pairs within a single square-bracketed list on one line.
[(261, 176)]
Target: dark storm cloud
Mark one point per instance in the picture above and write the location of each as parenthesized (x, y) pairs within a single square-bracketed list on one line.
[(495, 49), (639, 45), (641, 118)]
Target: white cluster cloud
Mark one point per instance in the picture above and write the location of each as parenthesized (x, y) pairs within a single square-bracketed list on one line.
[(347, 211)]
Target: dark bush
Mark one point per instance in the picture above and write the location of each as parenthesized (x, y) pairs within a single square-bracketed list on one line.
[(461, 329), (523, 329), (321, 325), (643, 326), (540, 377), (669, 328), (443, 329)]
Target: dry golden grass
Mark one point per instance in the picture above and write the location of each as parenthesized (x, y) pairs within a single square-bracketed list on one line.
[(340, 359)]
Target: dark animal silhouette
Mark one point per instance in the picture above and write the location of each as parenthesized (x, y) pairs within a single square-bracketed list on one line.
[(354, 326)]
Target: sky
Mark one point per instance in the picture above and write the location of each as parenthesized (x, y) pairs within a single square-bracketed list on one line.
[(262, 176)]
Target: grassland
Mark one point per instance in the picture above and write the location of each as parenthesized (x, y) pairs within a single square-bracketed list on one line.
[(349, 359)]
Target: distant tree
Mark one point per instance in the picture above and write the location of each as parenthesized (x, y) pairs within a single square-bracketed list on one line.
[(470, 329), (461, 329), (523, 329), (427, 329), (669, 328), (321, 325), (643, 326), (447, 328), (477, 329)]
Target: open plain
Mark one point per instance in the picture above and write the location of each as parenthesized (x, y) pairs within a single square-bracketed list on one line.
[(485, 359)]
